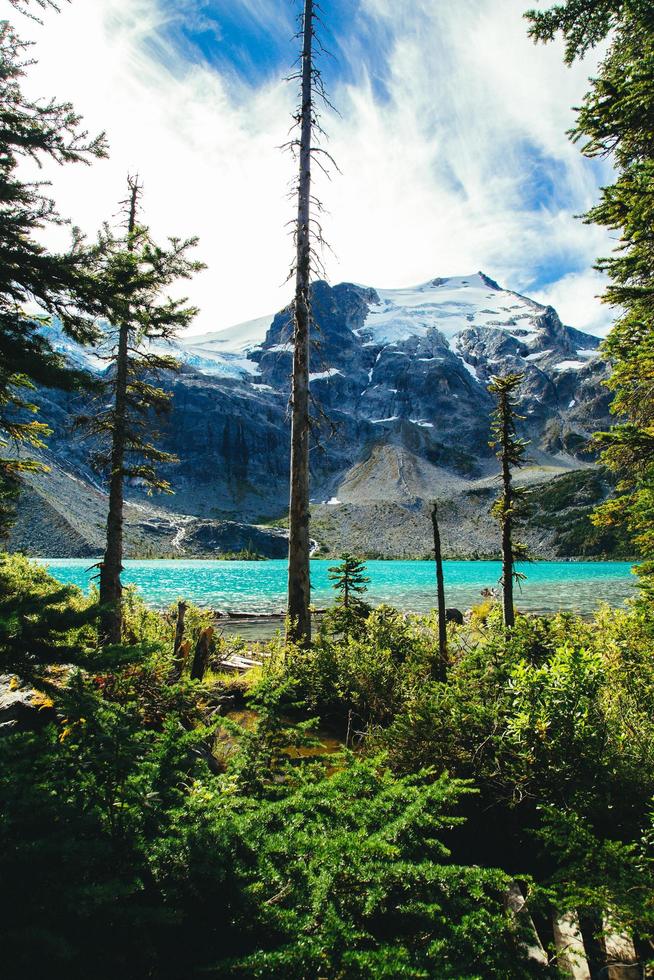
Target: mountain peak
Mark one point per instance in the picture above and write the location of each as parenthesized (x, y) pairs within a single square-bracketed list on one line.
[(477, 280)]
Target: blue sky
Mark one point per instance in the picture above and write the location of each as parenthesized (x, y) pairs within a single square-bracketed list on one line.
[(451, 142), (254, 41)]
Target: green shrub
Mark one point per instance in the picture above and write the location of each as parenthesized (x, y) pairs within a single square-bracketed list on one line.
[(42, 622), (364, 672)]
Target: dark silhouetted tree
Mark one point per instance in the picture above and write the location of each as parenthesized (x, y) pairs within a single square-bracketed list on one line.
[(307, 233)]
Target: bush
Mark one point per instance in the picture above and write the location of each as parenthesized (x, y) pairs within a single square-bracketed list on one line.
[(365, 673), (536, 757), (112, 829), (42, 622), (342, 877)]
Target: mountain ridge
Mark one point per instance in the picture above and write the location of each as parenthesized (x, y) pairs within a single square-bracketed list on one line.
[(398, 382)]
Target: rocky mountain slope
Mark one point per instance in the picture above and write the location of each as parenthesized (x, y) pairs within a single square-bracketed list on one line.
[(401, 417)]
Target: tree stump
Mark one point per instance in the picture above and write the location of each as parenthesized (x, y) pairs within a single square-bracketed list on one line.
[(201, 655)]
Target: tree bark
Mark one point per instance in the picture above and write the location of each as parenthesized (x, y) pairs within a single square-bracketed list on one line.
[(111, 617), (178, 645), (299, 586), (201, 655), (440, 590), (507, 528), (112, 565)]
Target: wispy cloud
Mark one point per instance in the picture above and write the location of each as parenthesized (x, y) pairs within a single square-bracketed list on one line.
[(451, 142)]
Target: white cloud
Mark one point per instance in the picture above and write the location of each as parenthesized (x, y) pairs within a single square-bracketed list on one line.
[(210, 167), (436, 178), (576, 298)]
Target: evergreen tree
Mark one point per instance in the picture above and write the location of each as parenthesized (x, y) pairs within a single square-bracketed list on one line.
[(616, 120), (510, 450), (132, 273), (350, 582), (32, 278)]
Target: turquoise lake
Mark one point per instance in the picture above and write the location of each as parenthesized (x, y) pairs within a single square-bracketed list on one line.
[(260, 587)]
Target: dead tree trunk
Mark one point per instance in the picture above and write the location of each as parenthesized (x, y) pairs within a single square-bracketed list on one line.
[(440, 589), (299, 586), (510, 450), (179, 627), (507, 525), (201, 655), (178, 645), (111, 617)]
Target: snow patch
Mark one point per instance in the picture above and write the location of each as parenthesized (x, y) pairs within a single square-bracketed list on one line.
[(218, 365), (537, 355), (321, 375), (569, 365), (234, 340), (470, 369)]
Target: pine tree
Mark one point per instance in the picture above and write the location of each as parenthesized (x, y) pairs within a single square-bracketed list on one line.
[(510, 450), (31, 277), (349, 580), (616, 121), (131, 274)]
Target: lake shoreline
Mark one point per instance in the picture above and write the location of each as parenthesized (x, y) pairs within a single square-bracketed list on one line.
[(239, 591), (262, 559)]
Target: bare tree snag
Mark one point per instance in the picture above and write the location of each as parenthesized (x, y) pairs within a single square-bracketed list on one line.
[(179, 627), (440, 589), (299, 545), (510, 450), (184, 650)]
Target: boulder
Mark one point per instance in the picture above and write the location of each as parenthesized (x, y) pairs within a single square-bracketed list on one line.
[(22, 707)]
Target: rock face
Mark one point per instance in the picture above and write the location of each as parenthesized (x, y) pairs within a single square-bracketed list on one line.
[(401, 417), (22, 707)]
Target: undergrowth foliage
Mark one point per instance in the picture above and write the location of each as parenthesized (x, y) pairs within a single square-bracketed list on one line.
[(204, 844)]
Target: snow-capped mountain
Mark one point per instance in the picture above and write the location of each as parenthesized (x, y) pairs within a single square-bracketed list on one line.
[(398, 378), (452, 306)]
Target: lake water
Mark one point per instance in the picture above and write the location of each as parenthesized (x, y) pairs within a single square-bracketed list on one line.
[(260, 587)]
